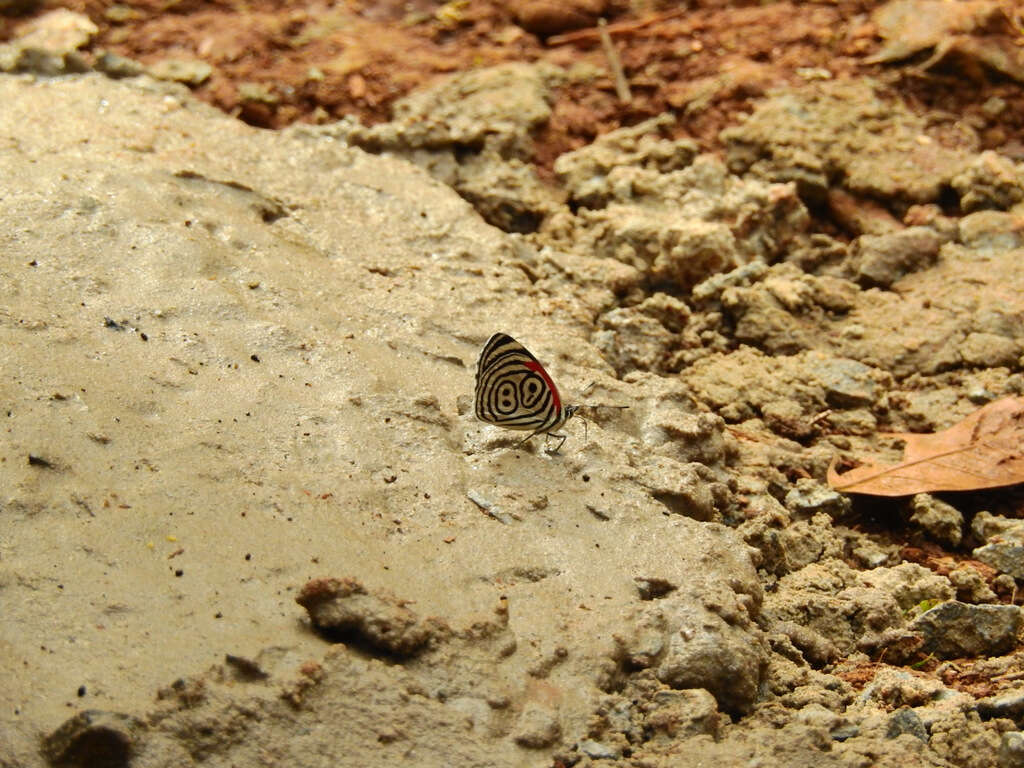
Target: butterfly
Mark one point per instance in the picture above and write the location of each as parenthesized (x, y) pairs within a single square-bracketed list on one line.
[(514, 391)]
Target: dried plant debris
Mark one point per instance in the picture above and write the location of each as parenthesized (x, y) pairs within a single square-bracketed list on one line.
[(982, 451), (972, 35)]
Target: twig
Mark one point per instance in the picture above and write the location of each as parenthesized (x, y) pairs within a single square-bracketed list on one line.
[(1009, 676), (621, 85), (821, 417), (616, 28), (490, 509)]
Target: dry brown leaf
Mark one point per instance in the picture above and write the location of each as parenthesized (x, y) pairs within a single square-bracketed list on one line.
[(978, 31), (985, 450)]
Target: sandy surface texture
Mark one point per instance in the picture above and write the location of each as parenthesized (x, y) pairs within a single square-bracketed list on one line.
[(235, 365), (249, 517)]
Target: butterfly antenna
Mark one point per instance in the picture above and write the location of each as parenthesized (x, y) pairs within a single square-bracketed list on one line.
[(586, 389)]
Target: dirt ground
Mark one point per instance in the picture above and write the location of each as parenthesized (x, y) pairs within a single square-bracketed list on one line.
[(275, 63), (776, 231)]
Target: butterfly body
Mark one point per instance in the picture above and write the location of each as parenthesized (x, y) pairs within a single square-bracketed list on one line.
[(514, 391)]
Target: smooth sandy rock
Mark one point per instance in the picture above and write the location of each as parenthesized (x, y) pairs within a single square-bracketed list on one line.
[(240, 355)]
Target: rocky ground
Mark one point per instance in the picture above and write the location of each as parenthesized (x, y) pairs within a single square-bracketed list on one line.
[(249, 517)]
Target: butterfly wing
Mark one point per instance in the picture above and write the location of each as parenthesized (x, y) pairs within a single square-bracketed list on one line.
[(513, 390)]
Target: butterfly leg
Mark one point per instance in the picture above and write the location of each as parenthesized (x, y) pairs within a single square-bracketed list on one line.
[(558, 447), (526, 439)]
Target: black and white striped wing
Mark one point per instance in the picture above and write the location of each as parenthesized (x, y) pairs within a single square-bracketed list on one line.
[(513, 390)]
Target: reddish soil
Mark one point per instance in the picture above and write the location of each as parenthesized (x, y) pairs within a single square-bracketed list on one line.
[(316, 61)]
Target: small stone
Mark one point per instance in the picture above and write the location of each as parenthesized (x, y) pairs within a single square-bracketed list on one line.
[(537, 728), (121, 14), (818, 716), (506, 192), (1005, 556), (259, 93), (847, 383), (989, 181), (677, 715), (897, 688), (59, 32), (844, 732), (188, 71), (786, 418), (595, 750), (815, 649), (971, 586), (986, 525), (621, 717), (956, 629), (869, 554), (856, 421), (1011, 750), (881, 260), (930, 215), (993, 106), (990, 231), (630, 339), (116, 67), (810, 497), (1007, 704), (713, 286), (727, 661), (859, 215), (906, 720), (245, 668), (910, 584), (939, 520), (684, 489), (49, 45), (979, 395), (1004, 543)]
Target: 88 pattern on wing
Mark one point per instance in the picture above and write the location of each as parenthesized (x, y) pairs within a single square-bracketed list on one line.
[(514, 391)]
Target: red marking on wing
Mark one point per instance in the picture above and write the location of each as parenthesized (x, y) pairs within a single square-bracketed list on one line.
[(539, 369)]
